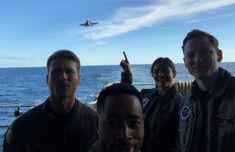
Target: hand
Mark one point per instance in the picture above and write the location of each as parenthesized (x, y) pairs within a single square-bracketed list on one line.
[(125, 64)]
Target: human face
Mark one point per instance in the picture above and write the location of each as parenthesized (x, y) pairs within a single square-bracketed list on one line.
[(163, 76), (63, 78), (121, 124), (201, 58)]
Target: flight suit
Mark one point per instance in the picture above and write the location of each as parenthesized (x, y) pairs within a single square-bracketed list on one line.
[(212, 121), (40, 130)]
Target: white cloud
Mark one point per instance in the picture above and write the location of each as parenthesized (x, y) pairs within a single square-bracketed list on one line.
[(128, 19), (98, 43), (14, 58), (14, 61), (210, 18)]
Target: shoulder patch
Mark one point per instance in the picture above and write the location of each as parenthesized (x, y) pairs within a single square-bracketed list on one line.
[(185, 113)]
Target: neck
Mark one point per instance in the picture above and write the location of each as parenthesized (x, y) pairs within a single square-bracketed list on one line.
[(62, 105), (206, 83), (163, 90)]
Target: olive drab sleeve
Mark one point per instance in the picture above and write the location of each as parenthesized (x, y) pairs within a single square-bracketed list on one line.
[(8, 141), (126, 77)]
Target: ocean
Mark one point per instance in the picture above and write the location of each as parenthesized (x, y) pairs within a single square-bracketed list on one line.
[(27, 86)]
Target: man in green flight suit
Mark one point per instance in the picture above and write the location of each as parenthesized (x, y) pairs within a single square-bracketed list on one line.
[(61, 123), (207, 113)]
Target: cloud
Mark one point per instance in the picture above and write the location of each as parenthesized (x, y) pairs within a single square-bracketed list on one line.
[(98, 43), (128, 19), (20, 61), (211, 18), (14, 58)]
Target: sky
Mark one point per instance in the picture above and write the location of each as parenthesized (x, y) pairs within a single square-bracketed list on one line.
[(145, 29)]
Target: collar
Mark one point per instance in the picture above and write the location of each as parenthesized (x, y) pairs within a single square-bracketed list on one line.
[(169, 94), (219, 86), (46, 108)]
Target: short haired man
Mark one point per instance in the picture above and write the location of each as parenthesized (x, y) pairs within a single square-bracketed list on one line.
[(61, 123), (120, 125), (207, 113)]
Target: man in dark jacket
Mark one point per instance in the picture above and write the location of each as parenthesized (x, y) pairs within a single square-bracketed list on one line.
[(61, 123), (120, 124), (207, 113)]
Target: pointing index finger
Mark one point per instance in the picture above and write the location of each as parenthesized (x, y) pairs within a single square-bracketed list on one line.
[(125, 56)]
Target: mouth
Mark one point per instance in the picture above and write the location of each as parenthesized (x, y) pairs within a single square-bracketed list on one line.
[(163, 80), (160, 80), (64, 86), (198, 68), (125, 148)]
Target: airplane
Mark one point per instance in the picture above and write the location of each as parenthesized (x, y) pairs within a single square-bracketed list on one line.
[(88, 23)]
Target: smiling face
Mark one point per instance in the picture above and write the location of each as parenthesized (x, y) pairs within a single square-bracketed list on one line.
[(201, 57), (163, 76), (121, 124), (63, 78)]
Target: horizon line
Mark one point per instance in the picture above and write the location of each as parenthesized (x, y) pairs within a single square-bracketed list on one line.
[(97, 65)]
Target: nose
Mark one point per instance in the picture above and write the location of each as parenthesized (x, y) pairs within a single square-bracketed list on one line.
[(198, 57), (126, 131), (160, 74), (63, 75)]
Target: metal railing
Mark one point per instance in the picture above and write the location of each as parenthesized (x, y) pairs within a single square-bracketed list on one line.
[(182, 87)]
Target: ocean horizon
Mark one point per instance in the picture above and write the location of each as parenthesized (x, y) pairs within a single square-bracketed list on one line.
[(27, 85)]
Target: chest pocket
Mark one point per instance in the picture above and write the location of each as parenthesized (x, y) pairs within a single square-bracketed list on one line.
[(225, 121), (226, 132)]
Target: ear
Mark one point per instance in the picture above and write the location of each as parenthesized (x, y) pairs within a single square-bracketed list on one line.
[(174, 74), (185, 62), (78, 79), (47, 79), (219, 55)]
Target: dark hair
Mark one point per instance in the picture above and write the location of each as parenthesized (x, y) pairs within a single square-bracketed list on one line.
[(198, 33), (63, 54), (165, 62), (116, 89)]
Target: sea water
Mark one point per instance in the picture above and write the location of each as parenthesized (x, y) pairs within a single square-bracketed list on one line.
[(27, 86)]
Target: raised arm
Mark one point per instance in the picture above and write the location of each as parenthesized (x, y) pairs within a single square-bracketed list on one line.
[(126, 75)]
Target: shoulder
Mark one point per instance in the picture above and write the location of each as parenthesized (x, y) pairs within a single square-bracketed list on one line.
[(226, 76), (85, 115), (147, 92), (233, 80), (85, 109), (176, 93), (177, 98), (23, 123), (186, 97), (97, 147), (28, 117)]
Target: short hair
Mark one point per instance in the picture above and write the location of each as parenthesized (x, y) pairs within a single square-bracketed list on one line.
[(195, 33), (116, 89), (164, 61), (63, 54)]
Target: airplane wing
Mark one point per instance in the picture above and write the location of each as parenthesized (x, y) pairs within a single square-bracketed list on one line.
[(84, 24), (88, 23), (93, 23)]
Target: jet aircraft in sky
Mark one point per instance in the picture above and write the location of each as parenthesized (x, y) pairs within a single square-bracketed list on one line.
[(88, 23)]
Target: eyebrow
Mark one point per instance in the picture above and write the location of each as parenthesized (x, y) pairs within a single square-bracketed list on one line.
[(203, 48), (131, 116)]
